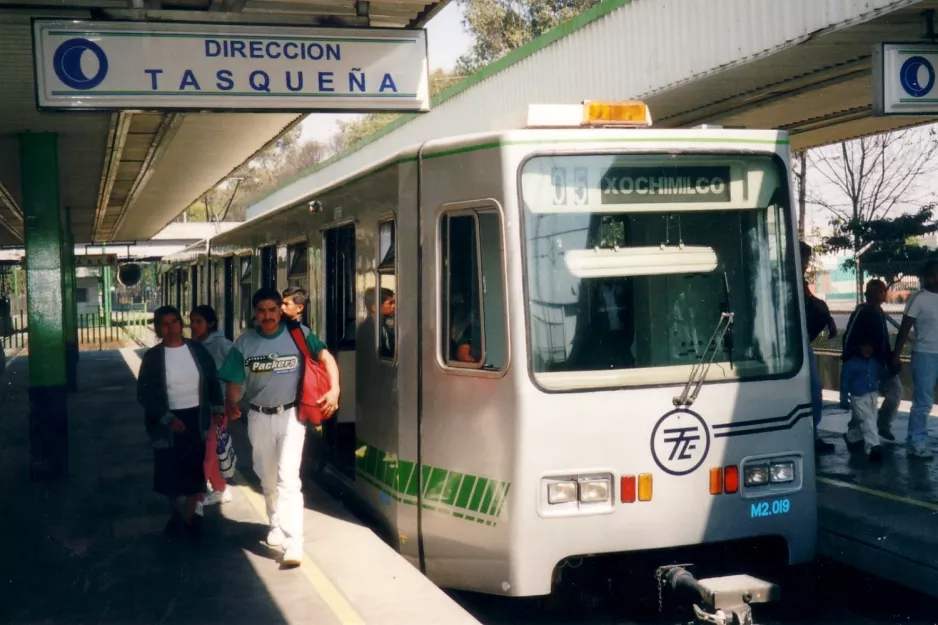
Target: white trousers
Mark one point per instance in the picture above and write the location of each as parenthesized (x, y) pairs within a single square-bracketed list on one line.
[(277, 442), (862, 426)]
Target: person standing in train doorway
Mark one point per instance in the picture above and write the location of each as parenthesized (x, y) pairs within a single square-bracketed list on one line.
[(921, 311), (818, 317), (265, 364), (294, 304)]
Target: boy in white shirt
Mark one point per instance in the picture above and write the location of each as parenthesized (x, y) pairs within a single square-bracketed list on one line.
[(922, 311)]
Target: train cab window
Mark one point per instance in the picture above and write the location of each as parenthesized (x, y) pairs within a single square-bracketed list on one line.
[(473, 328), (245, 293), (340, 288), (385, 304)]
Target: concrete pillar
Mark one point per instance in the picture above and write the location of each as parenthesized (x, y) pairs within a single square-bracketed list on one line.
[(48, 407), (70, 303)]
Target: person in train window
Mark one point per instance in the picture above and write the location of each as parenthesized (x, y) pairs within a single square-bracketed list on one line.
[(266, 364), (921, 311), (204, 325), (867, 324), (179, 390), (386, 320), (462, 329), (294, 304)]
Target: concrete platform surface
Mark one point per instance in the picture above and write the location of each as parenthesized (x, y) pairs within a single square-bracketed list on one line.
[(879, 517), (90, 549)]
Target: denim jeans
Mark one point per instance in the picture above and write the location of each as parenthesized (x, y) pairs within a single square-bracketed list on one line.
[(924, 375), (817, 401)]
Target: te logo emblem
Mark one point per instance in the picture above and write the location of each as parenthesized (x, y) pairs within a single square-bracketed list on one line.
[(680, 442)]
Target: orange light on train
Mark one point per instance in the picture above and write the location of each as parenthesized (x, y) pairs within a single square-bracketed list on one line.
[(644, 487), (716, 481)]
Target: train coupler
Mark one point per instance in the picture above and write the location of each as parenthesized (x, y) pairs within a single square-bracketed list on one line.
[(716, 600)]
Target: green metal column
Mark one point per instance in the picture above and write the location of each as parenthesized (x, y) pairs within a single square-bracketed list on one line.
[(48, 407), (70, 304), (106, 299)]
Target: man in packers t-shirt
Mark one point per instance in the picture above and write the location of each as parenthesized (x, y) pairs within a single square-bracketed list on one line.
[(266, 364)]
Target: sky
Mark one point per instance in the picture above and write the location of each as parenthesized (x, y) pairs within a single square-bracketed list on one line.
[(446, 42)]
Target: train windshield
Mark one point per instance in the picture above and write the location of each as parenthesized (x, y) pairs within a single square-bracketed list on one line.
[(631, 261)]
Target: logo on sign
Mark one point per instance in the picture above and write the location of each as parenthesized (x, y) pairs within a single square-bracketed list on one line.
[(67, 63), (680, 442), (911, 73)]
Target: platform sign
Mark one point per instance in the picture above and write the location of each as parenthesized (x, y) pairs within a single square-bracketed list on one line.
[(96, 260), (904, 79), (153, 66)]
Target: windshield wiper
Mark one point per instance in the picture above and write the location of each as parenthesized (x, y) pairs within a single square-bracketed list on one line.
[(728, 308), (699, 373)]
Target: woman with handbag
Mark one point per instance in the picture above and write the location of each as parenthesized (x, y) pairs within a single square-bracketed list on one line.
[(204, 325), (179, 390)]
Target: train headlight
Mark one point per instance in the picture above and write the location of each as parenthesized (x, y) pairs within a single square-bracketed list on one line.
[(781, 472), (561, 492), (594, 490), (756, 476)]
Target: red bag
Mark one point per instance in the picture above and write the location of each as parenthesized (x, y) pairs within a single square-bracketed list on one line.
[(314, 381)]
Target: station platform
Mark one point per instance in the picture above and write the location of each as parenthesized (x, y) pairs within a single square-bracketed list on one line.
[(880, 518), (90, 549)]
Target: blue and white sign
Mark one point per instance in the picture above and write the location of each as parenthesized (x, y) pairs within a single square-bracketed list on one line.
[(117, 65), (904, 79)]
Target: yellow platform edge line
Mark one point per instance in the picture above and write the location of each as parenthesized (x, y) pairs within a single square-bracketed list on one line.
[(331, 595), (879, 493)]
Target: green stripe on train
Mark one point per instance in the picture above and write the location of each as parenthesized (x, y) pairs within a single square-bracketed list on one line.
[(460, 495)]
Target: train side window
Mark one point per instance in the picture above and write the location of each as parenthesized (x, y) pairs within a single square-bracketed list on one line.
[(473, 325), (386, 302), (269, 266), (244, 299), (340, 288), (298, 272)]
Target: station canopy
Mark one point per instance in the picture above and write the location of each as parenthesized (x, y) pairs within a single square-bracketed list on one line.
[(125, 173)]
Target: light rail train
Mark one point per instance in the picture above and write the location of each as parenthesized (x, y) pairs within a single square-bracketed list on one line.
[(576, 339)]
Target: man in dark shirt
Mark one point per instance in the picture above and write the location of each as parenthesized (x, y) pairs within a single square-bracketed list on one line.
[(868, 325), (818, 317)]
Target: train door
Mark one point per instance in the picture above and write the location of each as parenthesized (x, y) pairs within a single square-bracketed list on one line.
[(245, 292), (339, 432), (297, 273), (228, 286)]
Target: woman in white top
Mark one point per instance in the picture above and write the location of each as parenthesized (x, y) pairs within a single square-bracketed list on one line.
[(179, 390)]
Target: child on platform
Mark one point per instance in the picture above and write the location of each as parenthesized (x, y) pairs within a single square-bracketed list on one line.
[(859, 378)]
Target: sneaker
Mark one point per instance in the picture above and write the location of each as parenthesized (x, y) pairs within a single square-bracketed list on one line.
[(919, 451), (218, 496), (199, 509), (853, 447), (275, 537), (887, 435), (823, 447), (293, 556), (876, 454)]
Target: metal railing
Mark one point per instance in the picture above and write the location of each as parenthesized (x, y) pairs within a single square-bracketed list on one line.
[(94, 329)]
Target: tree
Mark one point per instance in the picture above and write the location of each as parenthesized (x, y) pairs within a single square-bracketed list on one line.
[(799, 172), (351, 132), (500, 26), (895, 249)]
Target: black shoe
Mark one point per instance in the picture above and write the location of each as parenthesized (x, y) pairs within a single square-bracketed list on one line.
[(194, 527), (823, 447), (853, 447), (887, 435), (173, 526), (876, 454)]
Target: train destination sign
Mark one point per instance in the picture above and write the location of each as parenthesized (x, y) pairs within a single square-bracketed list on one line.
[(150, 65), (650, 185)]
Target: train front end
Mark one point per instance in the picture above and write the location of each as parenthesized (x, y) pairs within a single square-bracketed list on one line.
[(666, 411)]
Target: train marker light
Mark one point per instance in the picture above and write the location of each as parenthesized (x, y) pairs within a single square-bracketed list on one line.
[(561, 492), (716, 481), (644, 487), (730, 479), (757, 475), (631, 114), (627, 489), (781, 472), (595, 490)]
